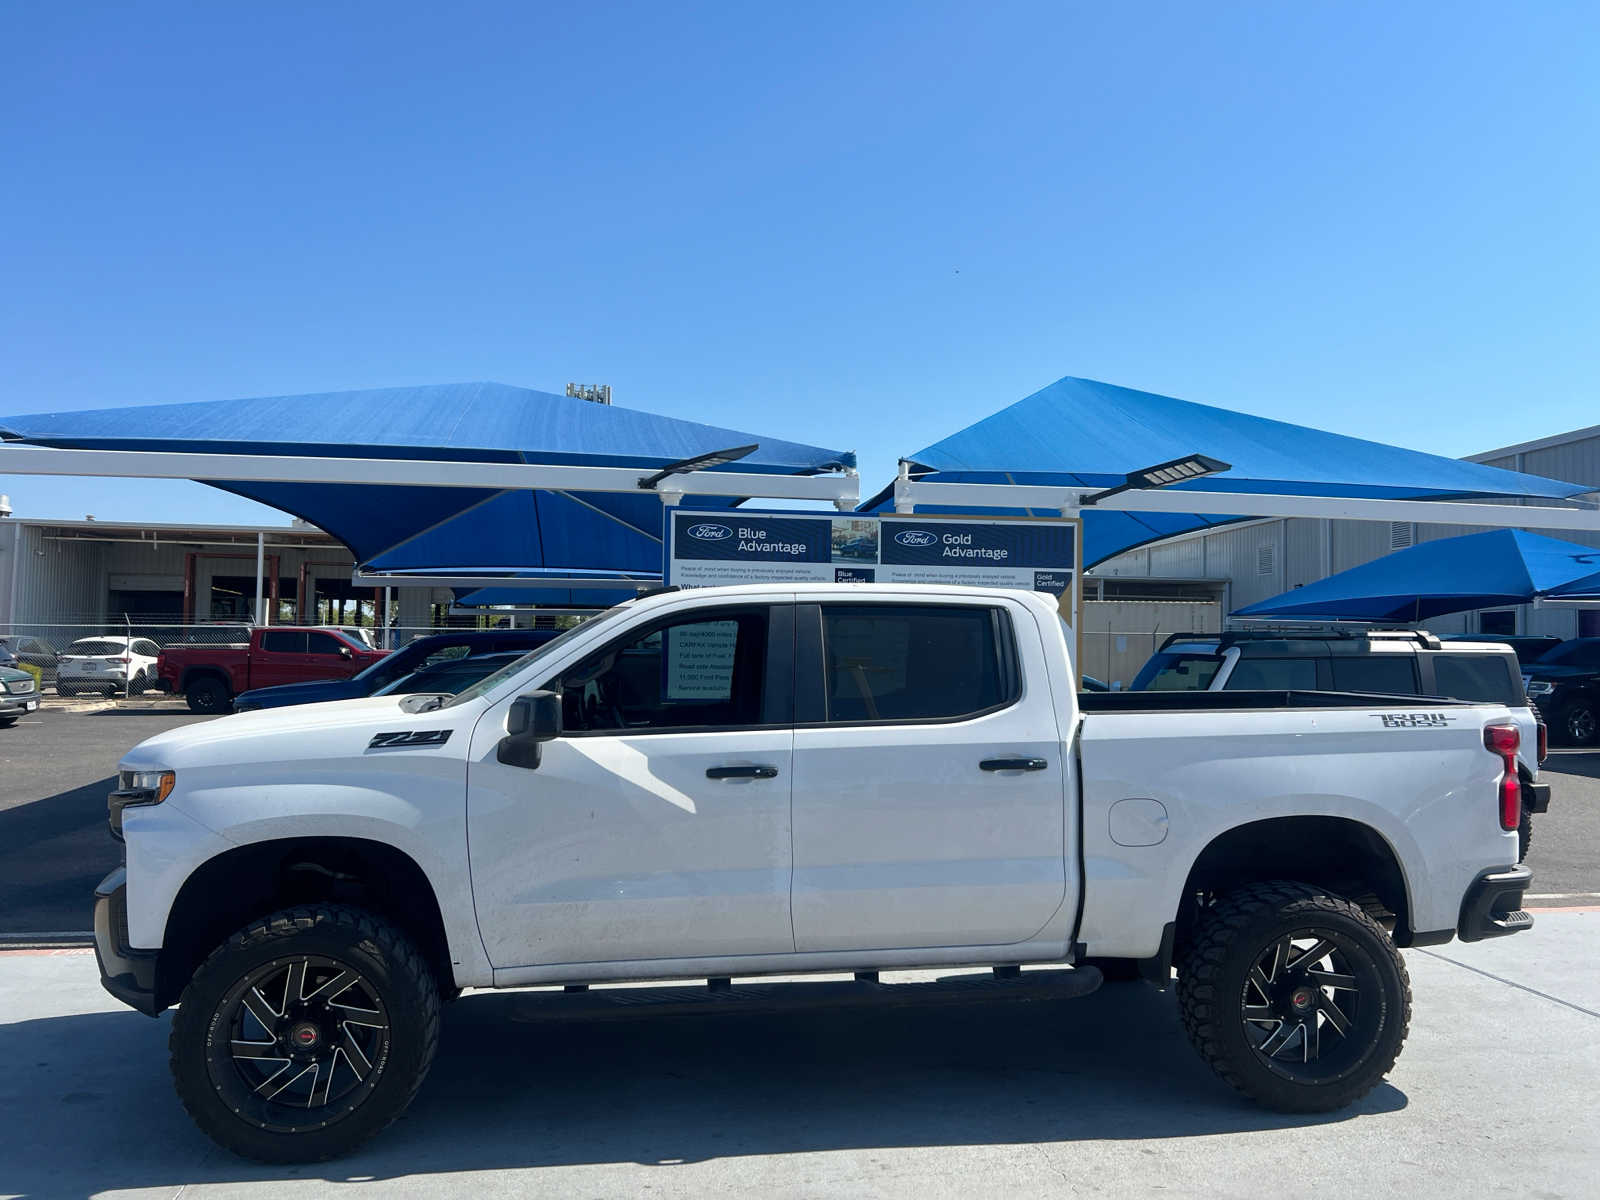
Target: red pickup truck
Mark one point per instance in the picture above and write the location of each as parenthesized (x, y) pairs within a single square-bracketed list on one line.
[(210, 676)]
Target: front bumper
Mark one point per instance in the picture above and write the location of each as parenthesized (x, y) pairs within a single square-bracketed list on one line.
[(128, 974), (12, 705), (1492, 906)]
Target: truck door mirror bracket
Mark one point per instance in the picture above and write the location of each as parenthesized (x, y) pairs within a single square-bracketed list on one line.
[(534, 719)]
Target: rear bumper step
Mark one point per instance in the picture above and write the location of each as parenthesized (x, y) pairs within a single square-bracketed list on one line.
[(625, 1003), (1492, 906)]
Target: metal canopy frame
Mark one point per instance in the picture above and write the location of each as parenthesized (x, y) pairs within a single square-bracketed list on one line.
[(842, 490), (1069, 501)]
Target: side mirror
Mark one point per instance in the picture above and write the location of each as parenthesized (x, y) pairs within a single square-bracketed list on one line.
[(345, 653), (534, 719)]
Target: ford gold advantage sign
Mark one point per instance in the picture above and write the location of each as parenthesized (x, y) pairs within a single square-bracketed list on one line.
[(741, 546)]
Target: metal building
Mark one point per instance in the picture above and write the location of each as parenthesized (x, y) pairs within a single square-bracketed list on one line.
[(1193, 581)]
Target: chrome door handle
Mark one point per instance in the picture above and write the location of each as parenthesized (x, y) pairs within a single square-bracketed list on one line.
[(1013, 764), (741, 772)]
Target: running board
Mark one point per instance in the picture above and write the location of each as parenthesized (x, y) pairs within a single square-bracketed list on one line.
[(610, 1003)]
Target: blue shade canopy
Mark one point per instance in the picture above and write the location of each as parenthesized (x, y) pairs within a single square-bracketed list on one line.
[(1459, 574), (396, 528), (1078, 432)]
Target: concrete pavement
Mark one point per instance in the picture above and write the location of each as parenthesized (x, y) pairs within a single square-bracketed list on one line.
[(1494, 1095)]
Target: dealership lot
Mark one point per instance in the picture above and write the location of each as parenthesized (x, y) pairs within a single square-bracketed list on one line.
[(1096, 1096)]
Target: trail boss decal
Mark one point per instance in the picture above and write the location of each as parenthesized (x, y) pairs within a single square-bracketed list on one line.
[(1413, 720), (409, 740)]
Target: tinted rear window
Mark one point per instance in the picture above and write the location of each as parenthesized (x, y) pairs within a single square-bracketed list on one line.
[(1273, 675), (94, 646), (1393, 674), (1484, 678), (1177, 673), (910, 662)]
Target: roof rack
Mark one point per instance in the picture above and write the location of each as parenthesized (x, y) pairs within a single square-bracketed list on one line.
[(1234, 637)]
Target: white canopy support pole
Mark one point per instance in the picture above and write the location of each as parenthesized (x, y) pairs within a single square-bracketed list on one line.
[(262, 617), (969, 497), (904, 494), (388, 617), (18, 459)]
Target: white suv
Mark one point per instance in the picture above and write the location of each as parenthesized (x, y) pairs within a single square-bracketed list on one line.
[(107, 664)]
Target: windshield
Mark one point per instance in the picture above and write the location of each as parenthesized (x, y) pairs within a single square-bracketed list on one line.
[(489, 682), (1177, 673)]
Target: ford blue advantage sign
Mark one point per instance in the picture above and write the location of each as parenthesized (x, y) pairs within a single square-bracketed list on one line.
[(706, 549)]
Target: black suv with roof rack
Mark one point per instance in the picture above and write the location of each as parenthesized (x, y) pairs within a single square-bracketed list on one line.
[(1398, 662)]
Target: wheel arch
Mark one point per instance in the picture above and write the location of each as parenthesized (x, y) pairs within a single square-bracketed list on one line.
[(193, 675), (1345, 856), (242, 884)]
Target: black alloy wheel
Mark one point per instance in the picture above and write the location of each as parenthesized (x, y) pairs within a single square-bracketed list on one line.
[(305, 1033), (308, 1038), (1296, 997), (207, 696), (1580, 724), (1302, 1008)]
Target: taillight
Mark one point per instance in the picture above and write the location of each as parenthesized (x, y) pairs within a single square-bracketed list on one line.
[(1544, 742), (1504, 741)]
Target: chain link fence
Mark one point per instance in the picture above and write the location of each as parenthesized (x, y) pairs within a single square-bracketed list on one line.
[(39, 646)]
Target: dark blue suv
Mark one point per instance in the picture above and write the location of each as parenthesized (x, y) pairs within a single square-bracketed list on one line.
[(411, 657)]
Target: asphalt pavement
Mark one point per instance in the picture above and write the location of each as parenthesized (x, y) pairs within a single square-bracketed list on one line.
[(1493, 1096), (56, 767)]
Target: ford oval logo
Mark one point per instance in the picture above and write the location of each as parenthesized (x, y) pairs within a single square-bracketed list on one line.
[(709, 532), (915, 537)]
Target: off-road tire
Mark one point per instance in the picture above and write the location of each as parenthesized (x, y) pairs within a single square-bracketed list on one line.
[(208, 697), (381, 954), (1214, 966)]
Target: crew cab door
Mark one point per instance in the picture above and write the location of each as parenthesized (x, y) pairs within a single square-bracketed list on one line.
[(929, 805), (657, 825), (277, 656)]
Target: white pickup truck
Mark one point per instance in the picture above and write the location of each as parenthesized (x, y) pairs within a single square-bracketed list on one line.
[(783, 780)]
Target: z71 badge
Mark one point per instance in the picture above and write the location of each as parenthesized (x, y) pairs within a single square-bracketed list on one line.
[(409, 740), (1413, 720)]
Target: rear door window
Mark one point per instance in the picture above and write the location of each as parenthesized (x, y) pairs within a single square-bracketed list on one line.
[(1391, 674), (905, 663), (1484, 678), (1273, 675), (283, 642)]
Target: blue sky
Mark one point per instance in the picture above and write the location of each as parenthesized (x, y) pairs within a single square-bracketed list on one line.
[(858, 225)]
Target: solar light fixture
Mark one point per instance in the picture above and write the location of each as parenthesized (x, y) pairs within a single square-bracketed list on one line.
[(698, 463), (1179, 470)]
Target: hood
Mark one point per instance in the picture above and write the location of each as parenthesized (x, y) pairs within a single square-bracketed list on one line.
[(1554, 673), (172, 747)]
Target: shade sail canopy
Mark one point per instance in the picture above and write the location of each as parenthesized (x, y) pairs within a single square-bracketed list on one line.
[(1079, 432), (1459, 574), (394, 528)]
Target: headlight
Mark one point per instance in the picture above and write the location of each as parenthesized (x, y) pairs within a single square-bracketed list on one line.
[(1540, 687), (137, 789)]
